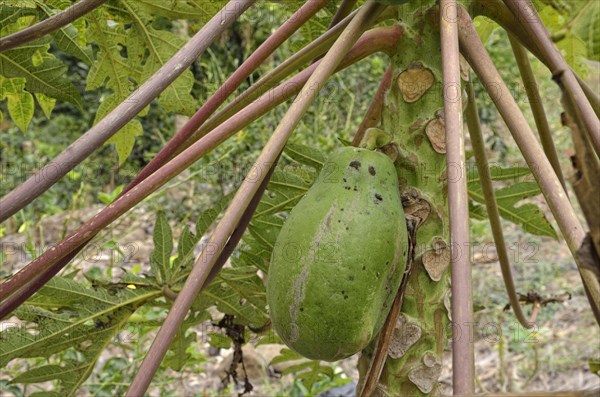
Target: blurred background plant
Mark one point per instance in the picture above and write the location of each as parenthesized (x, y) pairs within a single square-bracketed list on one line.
[(564, 341)]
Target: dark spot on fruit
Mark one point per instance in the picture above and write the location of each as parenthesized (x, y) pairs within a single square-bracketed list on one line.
[(343, 292), (344, 179), (301, 309), (355, 188), (341, 209), (378, 198), (404, 252), (372, 170), (387, 262), (355, 164), (351, 278), (347, 228), (347, 187), (345, 296), (339, 221), (364, 268)]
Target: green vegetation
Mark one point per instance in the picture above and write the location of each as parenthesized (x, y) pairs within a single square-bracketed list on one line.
[(94, 323)]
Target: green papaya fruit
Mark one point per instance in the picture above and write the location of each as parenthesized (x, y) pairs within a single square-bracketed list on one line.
[(339, 257)]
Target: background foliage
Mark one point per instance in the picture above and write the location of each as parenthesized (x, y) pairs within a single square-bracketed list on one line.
[(53, 90)]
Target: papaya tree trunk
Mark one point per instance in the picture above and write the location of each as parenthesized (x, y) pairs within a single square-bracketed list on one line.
[(413, 116)]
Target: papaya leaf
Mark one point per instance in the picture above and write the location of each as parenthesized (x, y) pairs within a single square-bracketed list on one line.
[(257, 249), (209, 216), (311, 371), (187, 240), (154, 48), (186, 9), (66, 314), (314, 27), (65, 292), (237, 290), (477, 211), (124, 139), (71, 373), (113, 71), (66, 38), (20, 102), (11, 11), (108, 198), (130, 48), (45, 394), (255, 260), (286, 355), (17, 4), (564, 6), (514, 174), (316, 374), (229, 301), (246, 283), (219, 340), (43, 72), (579, 17), (177, 355), (265, 230), (160, 260), (110, 69), (285, 189), (586, 25), (574, 51), (185, 246), (552, 16), (484, 27), (33, 313), (46, 104), (129, 278), (268, 338), (305, 155), (568, 24), (529, 216)]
